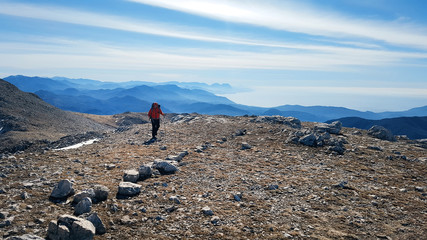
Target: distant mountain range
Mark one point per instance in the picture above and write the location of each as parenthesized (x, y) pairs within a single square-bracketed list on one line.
[(413, 127), (105, 98)]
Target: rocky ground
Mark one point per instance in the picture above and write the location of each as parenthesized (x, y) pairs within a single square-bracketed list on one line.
[(243, 178)]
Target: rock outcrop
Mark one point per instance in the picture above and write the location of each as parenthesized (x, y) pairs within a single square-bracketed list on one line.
[(381, 132)]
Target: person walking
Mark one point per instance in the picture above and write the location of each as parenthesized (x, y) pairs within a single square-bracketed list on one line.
[(154, 115)]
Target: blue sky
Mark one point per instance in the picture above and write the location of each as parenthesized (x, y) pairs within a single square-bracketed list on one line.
[(361, 54)]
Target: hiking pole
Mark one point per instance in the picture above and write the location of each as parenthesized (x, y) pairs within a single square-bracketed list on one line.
[(164, 123)]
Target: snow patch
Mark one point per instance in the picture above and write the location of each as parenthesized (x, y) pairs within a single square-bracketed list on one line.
[(78, 145)]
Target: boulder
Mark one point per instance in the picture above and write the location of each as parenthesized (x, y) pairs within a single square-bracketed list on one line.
[(97, 222), (68, 227), (90, 193), (308, 140), (101, 193), (333, 128), (84, 206), (144, 172), (381, 132), (63, 189), (164, 167), (129, 189), (131, 176)]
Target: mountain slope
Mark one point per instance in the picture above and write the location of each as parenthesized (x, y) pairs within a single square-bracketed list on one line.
[(273, 189), (26, 117), (413, 127)]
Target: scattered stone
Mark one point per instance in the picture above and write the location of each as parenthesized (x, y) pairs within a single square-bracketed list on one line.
[(175, 199), (131, 176), (68, 227), (7, 222), (160, 218), (376, 148), (343, 185), (308, 140), (419, 189), (176, 158), (238, 197), (125, 220), (24, 195), (165, 168), (199, 149), (88, 193), (245, 146), (207, 211), (114, 208), (240, 132), (145, 172), (215, 220), (25, 237), (129, 189), (84, 206), (3, 215), (97, 223), (110, 166), (62, 190), (163, 148), (381, 132), (273, 187), (101, 193), (333, 128)]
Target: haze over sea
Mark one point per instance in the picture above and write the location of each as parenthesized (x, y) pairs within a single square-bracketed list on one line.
[(364, 55)]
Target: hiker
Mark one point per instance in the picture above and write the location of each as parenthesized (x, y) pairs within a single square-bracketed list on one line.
[(154, 115)]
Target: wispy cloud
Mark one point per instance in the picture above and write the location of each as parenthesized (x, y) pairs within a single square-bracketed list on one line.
[(301, 18), (289, 56), (65, 53)]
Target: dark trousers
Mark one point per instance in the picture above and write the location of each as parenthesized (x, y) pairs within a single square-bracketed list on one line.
[(156, 124)]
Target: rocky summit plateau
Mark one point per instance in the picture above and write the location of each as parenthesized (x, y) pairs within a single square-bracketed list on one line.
[(217, 177), (79, 176)]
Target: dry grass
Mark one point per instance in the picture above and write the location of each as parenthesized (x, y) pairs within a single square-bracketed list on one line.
[(381, 200)]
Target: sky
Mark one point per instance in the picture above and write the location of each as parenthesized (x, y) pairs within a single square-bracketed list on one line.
[(361, 54)]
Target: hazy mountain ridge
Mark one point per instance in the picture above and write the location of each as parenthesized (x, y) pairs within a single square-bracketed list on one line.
[(113, 98)]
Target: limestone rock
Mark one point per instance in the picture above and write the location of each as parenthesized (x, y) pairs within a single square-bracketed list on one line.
[(207, 211), (101, 193), (144, 172), (164, 167), (129, 189), (97, 222), (90, 193), (84, 206), (68, 227), (245, 146), (333, 128), (131, 176), (63, 189), (25, 237), (382, 133), (308, 140)]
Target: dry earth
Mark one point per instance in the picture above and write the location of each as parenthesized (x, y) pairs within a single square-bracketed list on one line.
[(274, 190)]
